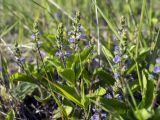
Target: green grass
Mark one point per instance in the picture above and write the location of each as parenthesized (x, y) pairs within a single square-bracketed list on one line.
[(74, 82)]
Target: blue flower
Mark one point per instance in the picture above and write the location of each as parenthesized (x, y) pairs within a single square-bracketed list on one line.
[(71, 40), (156, 69), (95, 117), (69, 33), (115, 38), (60, 54), (108, 95), (150, 77), (128, 61), (117, 59), (158, 60), (103, 114), (86, 46), (33, 36), (80, 36), (67, 54), (116, 47), (21, 60), (116, 75), (57, 14)]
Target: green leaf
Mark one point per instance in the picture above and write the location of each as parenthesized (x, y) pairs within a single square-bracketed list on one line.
[(57, 113), (10, 115), (150, 93), (23, 89), (157, 114), (107, 53), (45, 99), (134, 85), (66, 91), (55, 62), (103, 75), (113, 105), (4, 72), (70, 61), (144, 88), (143, 114), (86, 77), (86, 53), (143, 52), (68, 75), (99, 92), (78, 70), (21, 77)]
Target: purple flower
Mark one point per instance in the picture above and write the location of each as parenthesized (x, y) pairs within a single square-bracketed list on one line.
[(60, 54), (104, 114), (116, 47), (115, 38), (87, 46), (71, 40), (69, 33), (150, 77), (33, 36), (158, 60), (108, 95), (128, 61), (67, 54), (117, 59), (80, 36), (57, 14), (95, 117), (156, 69), (116, 75), (22, 60)]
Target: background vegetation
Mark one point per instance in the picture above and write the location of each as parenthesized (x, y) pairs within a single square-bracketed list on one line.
[(79, 59)]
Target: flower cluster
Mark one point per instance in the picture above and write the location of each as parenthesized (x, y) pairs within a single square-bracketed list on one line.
[(59, 40), (157, 67), (121, 61), (76, 34)]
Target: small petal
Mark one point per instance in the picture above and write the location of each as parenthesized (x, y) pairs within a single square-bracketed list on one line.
[(156, 69), (87, 46), (150, 77), (71, 40), (22, 60), (126, 56), (60, 54), (116, 47), (115, 38), (80, 36), (128, 61), (116, 75), (95, 117), (108, 95), (67, 54), (103, 114), (158, 60), (33, 36), (57, 14), (117, 59), (69, 33)]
